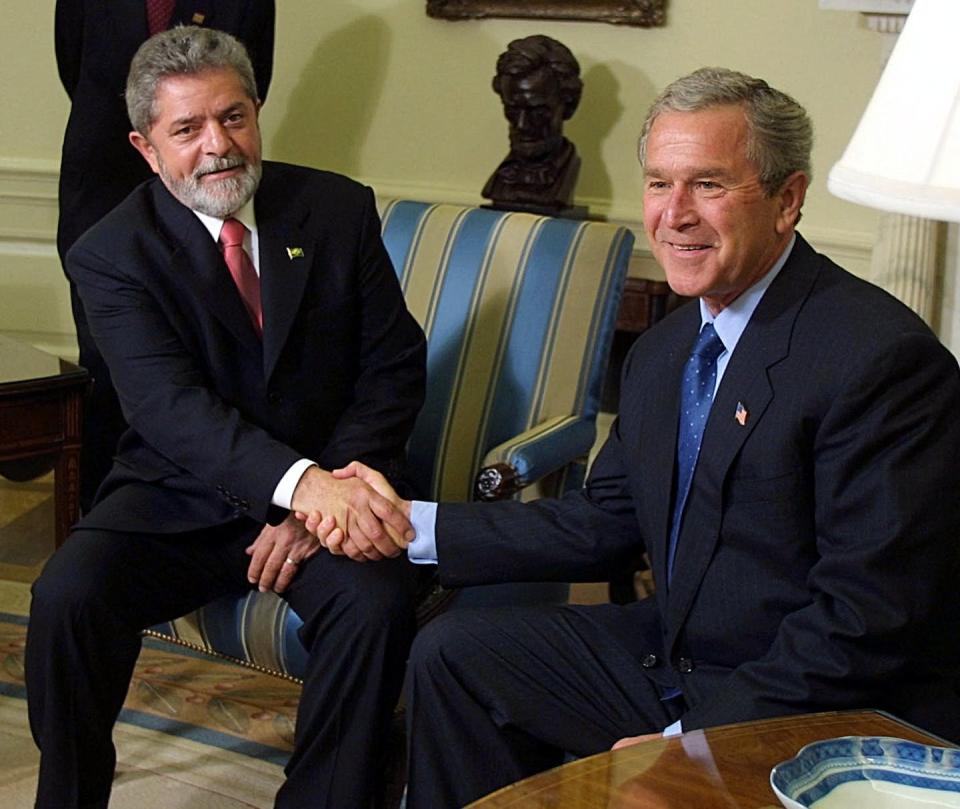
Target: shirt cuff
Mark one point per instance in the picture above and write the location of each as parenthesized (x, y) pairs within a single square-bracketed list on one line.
[(673, 730), (423, 549), (283, 494)]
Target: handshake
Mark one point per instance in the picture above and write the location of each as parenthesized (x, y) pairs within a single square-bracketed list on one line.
[(353, 512)]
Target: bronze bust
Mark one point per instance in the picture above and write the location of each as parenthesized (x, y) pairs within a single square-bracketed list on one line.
[(538, 81)]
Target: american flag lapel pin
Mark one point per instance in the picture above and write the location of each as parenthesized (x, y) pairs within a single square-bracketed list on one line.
[(294, 252), (741, 415)]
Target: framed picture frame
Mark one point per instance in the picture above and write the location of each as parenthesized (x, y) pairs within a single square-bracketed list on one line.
[(644, 13)]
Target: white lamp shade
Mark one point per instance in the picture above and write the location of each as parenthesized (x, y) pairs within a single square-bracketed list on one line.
[(904, 156)]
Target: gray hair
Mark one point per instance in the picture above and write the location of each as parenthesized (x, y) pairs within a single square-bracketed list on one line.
[(185, 50), (780, 135)]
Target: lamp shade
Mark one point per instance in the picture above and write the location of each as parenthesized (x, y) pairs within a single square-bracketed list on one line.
[(904, 156)]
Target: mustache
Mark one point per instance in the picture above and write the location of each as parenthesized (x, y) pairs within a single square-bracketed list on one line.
[(215, 164)]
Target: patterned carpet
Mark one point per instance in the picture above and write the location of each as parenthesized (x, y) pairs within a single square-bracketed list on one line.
[(187, 694), (195, 731)]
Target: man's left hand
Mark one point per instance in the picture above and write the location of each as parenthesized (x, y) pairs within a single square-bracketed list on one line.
[(279, 550)]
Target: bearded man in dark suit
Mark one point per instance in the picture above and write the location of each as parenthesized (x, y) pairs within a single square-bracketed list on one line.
[(95, 42), (785, 452), (244, 375)]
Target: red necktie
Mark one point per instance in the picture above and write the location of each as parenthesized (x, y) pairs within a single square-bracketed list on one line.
[(242, 270), (159, 13)]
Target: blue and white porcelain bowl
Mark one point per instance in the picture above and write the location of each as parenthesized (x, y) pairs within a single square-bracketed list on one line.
[(869, 772)]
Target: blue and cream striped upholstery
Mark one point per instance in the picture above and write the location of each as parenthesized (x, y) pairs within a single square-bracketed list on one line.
[(519, 312)]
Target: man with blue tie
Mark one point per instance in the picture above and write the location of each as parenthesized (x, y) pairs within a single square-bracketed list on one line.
[(257, 336), (785, 452)]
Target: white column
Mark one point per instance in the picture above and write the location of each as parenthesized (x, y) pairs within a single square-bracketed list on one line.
[(905, 262), (948, 327)]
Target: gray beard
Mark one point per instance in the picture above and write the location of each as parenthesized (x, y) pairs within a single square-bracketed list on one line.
[(220, 198)]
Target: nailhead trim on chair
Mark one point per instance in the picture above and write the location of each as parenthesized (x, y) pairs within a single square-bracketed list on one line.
[(214, 653)]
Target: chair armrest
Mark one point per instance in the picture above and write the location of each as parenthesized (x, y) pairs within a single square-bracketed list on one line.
[(535, 453)]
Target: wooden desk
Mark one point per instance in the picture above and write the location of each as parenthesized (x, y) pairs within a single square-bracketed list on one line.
[(41, 412), (726, 767), (643, 303)]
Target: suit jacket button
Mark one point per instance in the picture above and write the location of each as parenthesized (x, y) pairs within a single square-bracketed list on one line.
[(685, 665), (649, 661), (274, 398)]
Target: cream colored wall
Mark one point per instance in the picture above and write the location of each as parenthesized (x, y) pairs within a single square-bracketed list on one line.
[(376, 89)]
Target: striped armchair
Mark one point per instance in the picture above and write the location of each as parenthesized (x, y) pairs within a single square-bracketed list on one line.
[(519, 312)]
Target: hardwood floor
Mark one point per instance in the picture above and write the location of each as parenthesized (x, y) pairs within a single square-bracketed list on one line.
[(26, 527)]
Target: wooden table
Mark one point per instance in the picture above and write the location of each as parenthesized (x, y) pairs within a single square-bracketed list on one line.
[(643, 303), (721, 768), (41, 411)]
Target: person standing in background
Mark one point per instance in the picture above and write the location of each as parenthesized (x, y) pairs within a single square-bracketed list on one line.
[(94, 43)]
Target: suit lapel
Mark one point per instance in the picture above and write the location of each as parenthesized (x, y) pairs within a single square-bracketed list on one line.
[(764, 343), (661, 451), (287, 254), (197, 265)]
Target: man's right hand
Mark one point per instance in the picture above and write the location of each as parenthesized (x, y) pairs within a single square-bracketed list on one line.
[(344, 542), (368, 525)]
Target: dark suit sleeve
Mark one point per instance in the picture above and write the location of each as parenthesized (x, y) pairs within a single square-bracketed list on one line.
[(886, 515), (258, 36), (166, 396), (389, 387), (68, 42), (583, 536)]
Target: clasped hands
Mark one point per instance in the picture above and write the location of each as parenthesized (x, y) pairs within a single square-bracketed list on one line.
[(353, 512)]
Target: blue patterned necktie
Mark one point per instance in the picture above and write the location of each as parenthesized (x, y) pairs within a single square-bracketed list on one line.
[(696, 397)]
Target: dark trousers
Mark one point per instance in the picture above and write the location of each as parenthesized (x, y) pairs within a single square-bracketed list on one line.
[(501, 694), (102, 588)]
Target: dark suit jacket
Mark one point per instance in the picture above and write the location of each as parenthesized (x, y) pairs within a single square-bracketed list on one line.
[(819, 560), (217, 416), (95, 42)]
